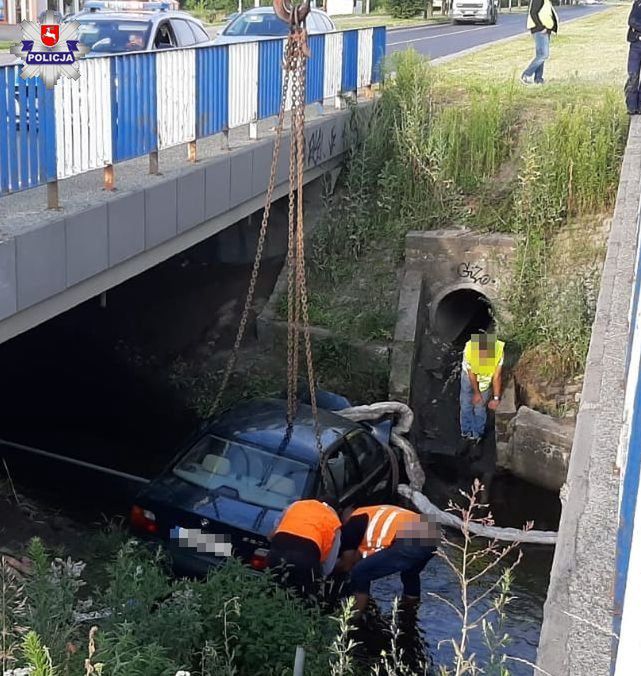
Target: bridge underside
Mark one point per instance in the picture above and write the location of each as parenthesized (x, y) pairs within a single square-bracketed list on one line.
[(51, 261)]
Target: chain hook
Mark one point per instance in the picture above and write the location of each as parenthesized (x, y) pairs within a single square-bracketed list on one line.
[(292, 14)]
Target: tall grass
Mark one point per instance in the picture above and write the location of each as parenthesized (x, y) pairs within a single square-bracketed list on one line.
[(569, 169)]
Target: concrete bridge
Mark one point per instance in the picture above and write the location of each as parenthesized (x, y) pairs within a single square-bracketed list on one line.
[(148, 154)]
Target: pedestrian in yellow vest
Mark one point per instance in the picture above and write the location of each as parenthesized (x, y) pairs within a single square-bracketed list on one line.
[(480, 380), (382, 540)]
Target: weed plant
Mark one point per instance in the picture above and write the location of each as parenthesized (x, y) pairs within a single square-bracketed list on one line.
[(431, 154)]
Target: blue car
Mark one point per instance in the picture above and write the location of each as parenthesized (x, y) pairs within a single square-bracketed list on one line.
[(225, 490)]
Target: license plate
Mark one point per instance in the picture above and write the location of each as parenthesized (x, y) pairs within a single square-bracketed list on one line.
[(204, 543)]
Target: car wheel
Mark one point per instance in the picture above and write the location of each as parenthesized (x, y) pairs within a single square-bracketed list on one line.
[(455, 22)]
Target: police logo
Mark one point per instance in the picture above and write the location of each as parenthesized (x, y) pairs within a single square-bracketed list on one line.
[(49, 50)]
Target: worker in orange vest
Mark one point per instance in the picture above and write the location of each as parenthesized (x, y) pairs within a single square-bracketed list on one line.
[(306, 542), (383, 540)]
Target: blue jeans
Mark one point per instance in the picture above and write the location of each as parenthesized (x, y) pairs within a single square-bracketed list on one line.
[(405, 558), (541, 53), (632, 98), (473, 417)]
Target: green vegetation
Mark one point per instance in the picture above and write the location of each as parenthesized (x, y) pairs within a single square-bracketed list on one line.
[(449, 147), (147, 623), (405, 9)]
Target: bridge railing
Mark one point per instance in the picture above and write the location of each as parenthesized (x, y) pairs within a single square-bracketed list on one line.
[(131, 105)]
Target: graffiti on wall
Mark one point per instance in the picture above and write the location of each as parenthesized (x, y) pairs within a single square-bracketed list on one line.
[(474, 272)]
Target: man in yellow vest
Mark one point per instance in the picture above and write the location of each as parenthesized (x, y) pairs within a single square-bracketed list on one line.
[(306, 543), (542, 21), (382, 540), (480, 383)]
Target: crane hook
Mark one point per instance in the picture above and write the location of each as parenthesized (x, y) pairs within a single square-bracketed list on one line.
[(293, 14)]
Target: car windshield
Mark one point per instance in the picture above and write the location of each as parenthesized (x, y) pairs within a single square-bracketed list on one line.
[(112, 36), (243, 472), (258, 23)]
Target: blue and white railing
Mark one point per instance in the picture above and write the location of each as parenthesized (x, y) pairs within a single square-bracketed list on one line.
[(131, 105)]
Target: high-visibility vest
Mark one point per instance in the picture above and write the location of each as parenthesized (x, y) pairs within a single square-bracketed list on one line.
[(312, 520), (384, 522), (486, 367)]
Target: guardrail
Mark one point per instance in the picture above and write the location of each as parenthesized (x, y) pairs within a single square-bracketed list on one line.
[(130, 105)]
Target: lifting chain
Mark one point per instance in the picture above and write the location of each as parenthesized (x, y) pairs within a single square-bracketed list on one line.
[(295, 67)]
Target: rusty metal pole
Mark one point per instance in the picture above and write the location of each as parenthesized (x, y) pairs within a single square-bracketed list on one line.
[(154, 166), (53, 201), (109, 178), (191, 151)]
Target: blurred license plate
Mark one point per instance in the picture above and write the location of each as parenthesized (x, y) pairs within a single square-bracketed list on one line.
[(205, 543)]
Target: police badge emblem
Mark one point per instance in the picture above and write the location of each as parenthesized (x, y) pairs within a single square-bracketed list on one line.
[(49, 50)]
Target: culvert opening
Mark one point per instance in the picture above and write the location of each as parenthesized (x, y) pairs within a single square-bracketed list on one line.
[(461, 313)]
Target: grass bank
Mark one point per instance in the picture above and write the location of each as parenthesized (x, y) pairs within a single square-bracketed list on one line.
[(466, 144)]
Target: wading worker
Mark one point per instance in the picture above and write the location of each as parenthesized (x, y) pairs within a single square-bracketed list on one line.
[(632, 98), (383, 540), (306, 543), (542, 21), (480, 383)]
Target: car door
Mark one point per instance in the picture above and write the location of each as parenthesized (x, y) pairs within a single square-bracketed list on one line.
[(344, 480), (184, 34), (200, 34), (165, 37), (374, 467)]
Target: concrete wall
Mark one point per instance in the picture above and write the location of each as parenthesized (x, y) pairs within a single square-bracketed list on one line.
[(452, 260), (576, 635), (48, 268)]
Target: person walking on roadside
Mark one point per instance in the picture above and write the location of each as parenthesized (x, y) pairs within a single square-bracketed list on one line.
[(382, 540), (306, 544), (542, 21), (632, 94), (480, 379)]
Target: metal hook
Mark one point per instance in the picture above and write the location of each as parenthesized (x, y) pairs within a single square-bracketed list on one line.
[(290, 13)]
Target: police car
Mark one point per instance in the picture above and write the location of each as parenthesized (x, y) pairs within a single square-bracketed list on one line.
[(116, 27)]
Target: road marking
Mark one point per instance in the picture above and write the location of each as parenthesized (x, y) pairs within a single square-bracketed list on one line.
[(444, 35)]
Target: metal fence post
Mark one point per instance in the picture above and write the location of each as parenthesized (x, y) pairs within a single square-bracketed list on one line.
[(299, 661), (154, 166), (191, 151), (53, 201), (109, 178)]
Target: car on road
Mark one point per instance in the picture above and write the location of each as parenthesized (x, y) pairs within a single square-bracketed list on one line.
[(154, 27), (225, 490), (475, 11), (261, 23)]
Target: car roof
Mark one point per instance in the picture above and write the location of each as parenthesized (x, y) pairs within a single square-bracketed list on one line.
[(270, 10), (262, 422), (151, 16)]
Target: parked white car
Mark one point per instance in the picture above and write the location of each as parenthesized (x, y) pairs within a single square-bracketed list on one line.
[(261, 23)]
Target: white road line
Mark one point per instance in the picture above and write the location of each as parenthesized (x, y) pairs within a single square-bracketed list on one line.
[(444, 35)]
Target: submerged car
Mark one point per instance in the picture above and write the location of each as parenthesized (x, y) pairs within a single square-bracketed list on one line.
[(261, 23), (225, 490)]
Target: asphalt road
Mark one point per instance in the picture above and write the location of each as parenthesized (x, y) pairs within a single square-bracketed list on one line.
[(443, 40)]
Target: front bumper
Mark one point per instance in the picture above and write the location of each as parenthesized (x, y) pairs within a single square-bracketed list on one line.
[(470, 15)]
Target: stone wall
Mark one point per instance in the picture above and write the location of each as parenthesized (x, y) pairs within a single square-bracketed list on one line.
[(452, 260)]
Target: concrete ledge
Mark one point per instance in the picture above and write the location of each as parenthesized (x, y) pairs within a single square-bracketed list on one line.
[(52, 265), (405, 336), (575, 637)]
